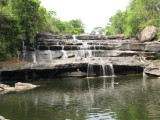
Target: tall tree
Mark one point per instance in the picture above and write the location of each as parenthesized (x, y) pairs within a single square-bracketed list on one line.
[(27, 11)]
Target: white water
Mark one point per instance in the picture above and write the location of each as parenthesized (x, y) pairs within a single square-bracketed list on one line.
[(64, 56), (105, 70), (74, 37), (34, 58), (90, 70), (112, 69), (49, 54), (24, 51), (85, 50)]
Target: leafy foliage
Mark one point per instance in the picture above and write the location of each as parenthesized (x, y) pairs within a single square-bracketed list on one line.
[(138, 15), (20, 20), (98, 30)]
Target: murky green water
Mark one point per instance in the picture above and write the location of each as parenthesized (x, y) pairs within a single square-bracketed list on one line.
[(119, 98)]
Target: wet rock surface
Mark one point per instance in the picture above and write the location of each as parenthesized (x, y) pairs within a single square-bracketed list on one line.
[(63, 55)]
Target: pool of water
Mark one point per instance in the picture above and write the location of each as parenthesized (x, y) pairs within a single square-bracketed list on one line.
[(109, 98)]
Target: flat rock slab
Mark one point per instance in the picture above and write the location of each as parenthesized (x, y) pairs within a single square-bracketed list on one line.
[(132, 46), (152, 47), (152, 72), (72, 62)]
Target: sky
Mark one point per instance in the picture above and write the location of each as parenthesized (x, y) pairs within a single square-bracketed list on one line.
[(93, 13)]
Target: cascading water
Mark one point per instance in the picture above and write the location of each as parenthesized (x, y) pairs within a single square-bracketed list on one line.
[(86, 52), (23, 51), (74, 37), (108, 70), (34, 58), (49, 54), (78, 48), (112, 69), (64, 53), (90, 70), (105, 70)]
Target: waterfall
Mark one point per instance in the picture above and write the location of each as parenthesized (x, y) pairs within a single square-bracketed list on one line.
[(74, 37), (64, 53), (89, 53), (86, 52), (23, 51), (89, 70), (49, 53), (76, 54), (34, 58), (112, 69), (105, 70)]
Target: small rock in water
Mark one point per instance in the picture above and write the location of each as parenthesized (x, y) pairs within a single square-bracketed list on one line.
[(116, 83), (18, 87), (24, 86), (2, 118)]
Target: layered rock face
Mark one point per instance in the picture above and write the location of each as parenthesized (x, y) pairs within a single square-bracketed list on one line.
[(67, 55), (51, 47)]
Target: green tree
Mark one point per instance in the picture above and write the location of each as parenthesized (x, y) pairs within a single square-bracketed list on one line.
[(99, 30), (28, 14), (9, 32), (138, 15), (78, 26)]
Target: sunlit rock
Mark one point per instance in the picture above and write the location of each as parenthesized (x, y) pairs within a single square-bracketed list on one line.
[(2, 118), (147, 34), (18, 87)]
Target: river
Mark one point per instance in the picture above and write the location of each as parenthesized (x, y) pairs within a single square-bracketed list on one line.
[(109, 98)]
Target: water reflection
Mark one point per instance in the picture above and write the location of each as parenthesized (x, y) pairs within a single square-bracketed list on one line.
[(113, 98)]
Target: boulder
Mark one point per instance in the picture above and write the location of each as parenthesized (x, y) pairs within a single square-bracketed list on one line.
[(24, 86), (147, 34), (153, 69)]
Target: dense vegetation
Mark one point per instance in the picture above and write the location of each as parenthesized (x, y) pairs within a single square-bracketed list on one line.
[(20, 20), (138, 15)]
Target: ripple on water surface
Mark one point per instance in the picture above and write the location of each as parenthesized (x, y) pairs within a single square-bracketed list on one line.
[(108, 98)]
